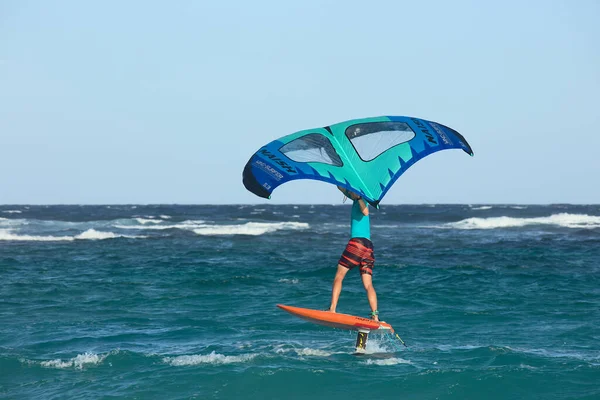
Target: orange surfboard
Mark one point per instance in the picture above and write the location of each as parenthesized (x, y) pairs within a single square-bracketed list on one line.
[(336, 320)]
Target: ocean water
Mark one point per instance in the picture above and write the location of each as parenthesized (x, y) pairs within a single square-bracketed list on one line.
[(178, 302)]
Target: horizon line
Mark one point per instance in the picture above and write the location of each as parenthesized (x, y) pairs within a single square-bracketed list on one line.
[(285, 204)]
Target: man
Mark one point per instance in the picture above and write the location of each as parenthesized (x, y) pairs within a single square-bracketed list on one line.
[(358, 253)]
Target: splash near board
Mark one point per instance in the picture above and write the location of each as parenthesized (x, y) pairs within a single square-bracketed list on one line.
[(364, 326), (365, 156)]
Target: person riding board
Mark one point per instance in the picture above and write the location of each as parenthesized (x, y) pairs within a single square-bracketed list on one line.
[(358, 253)]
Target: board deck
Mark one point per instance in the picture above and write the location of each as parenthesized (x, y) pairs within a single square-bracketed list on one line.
[(336, 320)]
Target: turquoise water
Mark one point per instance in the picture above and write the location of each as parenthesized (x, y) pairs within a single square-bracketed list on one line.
[(155, 302)]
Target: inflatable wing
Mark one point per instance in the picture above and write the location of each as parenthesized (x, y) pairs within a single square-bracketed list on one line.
[(365, 156)]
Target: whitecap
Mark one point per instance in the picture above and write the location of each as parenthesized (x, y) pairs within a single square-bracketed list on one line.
[(447, 347), (563, 219), (312, 352), (212, 358), (286, 280), (7, 235), (186, 225), (387, 361), (148, 220), (78, 362), (529, 367), (250, 228), (92, 234)]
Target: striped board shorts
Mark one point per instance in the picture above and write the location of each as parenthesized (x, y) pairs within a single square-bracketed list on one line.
[(359, 253)]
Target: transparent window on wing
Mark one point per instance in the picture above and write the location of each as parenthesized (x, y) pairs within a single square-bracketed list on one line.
[(313, 147), (374, 138)]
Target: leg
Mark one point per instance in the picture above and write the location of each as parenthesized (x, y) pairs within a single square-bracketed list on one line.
[(337, 286), (371, 295)]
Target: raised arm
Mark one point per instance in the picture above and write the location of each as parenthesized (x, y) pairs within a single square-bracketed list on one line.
[(364, 208), (346, 193)]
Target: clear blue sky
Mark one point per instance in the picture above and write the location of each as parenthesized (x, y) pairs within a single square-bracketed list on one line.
[(164, 102)]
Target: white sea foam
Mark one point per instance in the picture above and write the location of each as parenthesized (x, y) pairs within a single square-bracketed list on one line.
[(93, 234), (90, 234), (146, 227), (250, 228), (165, 216), (312, 352), (482, 208), (76, 362), (148, 220), (564, 220), (447, 347), (387, 361), (186, 225), (304, 351), (32, 238), (13, 211), (286, 280), (212, 358), (5, 234), (528, 367)]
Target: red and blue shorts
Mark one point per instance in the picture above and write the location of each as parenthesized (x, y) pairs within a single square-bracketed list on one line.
[(359, 253)]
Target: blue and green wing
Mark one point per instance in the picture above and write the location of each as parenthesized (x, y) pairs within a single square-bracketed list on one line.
[(365, 156)]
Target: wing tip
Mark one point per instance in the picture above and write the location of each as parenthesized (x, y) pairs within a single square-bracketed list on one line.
[(250, 182)]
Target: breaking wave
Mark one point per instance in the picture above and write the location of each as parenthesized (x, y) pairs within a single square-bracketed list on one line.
[(250, 228), (563, 220), (78, 362), (90, 234)]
